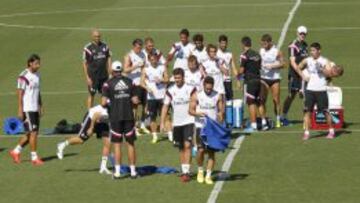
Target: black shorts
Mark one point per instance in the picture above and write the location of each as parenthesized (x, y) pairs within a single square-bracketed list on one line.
[(319, 98), (228, 90), (31, 121), (141, 93), (253, 90), (154, 108), (182, 134), (294, 83), (101, 129), (121, 130), (97, 84), (270, 82)]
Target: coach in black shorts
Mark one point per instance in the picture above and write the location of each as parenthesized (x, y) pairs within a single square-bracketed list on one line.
[(250, 66), (118, 91), (97, 60)]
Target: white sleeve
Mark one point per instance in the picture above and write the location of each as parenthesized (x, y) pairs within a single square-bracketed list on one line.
[(21, 83)]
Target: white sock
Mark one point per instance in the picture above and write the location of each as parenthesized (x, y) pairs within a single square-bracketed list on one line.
[(208, 173), (278, 117), (154, 135), (34, 156), (185, 168), (142, 125), (263, 121), (132, 170), (331, 130), (117, 168), (66, 143), (307, 132), (18, 149), (253, 125), (104, 161), (170, 135), (200, 168)]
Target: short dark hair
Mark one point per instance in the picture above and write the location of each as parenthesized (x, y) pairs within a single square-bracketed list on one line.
[(223, 38), (316, 45), (32, 58), (184, 32), (210, 46), (198, 37), (153, 54), (246, 41), (209, 80), (266, 38), (137, 41), (178, 71), (192, 58)]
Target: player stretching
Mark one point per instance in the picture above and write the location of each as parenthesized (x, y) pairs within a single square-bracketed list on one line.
[(30, 109), (206, 102), (272, 61), (178, 96), (154, 78)]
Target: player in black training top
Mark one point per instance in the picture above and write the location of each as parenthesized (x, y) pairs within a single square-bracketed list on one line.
[(119, 92), (250, 66), (298, 50), (97, 62)]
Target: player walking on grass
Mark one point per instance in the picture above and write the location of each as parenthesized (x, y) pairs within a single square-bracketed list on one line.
[(119, 92), (95, 120), (96, 65), (154, 79), (272, 62), (30, 109), (150, 49), (225, 55), (315, 93), (298, 50), (250, 65), (206, 102), (133, 66), (181, 51), (194, 76), (178, 96), (199, 50)]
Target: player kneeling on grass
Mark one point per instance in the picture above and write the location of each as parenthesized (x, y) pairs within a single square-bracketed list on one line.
[(29, 109), (178, 96), (206, 102), (119, 91), (154, 78), (95, 120), (319, 69)]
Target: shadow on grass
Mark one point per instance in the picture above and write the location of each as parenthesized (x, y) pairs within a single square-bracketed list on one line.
[(50, 158), (224, 176), (2, 149), (338, 133)]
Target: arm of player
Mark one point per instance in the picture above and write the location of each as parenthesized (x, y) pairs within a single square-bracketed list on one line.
[(221, 109), (86, 58), (299, 69), (170, 55), (96, 118), (233, 66), (192, 106), (128, 68), (20, 93), (143, 81), (165, 76), (41, 106), (280, 62)]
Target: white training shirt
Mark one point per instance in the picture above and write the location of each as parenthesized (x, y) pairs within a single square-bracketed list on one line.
[(227, 57), (137, 60), (206, 104), (181, 53), (269, 57), (158, 53), (212, 68), (30, 83), (98, 109), (151, 75), (179, 98), (201, 55), (317, 81), (194, 79)]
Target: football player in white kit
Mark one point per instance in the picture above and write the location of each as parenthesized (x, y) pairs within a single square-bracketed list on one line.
[(224, 54), (149, 47), (178, 96), (315, 93), (154, 79), (272, 61), (181, 51), (194, 76), (30, 109), (206, 102), (200, 49), (134, 62)]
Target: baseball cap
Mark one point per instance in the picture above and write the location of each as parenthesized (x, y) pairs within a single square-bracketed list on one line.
[(302, 29), (116, 66)]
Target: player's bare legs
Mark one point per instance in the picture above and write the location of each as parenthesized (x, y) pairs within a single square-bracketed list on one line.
[(90, 101), (275, 91)]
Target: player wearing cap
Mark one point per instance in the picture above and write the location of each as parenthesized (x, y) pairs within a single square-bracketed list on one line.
[(119, 92), (30, 109), (298, 50), (178, 96), (206, 102), (181, 50), (134, 63), (272, 62), (96, 65), (154, 78)]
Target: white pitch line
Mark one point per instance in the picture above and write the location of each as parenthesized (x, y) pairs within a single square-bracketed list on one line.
[(229, 159)]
